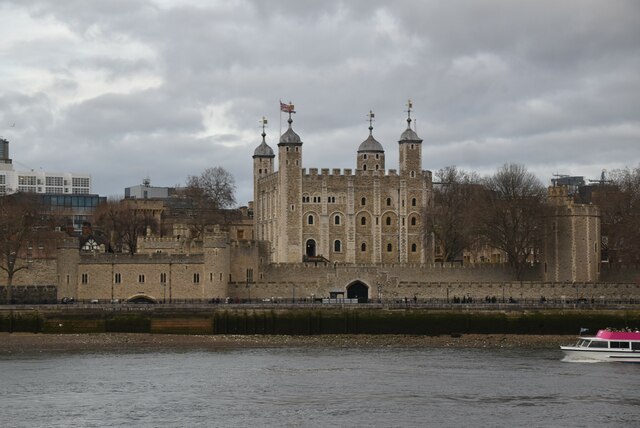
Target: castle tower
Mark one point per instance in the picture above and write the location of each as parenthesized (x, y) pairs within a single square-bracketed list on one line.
[(370, 152), (262, 166), (410, 150), (289, 244), (572, 239), (411, 193)]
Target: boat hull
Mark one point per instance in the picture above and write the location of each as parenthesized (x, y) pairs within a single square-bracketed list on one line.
[(581, 354)]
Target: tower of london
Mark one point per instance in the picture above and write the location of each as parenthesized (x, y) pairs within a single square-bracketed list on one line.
[(367, 215)]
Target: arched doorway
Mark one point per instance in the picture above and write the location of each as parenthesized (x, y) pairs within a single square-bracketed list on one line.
[(311, 248), (141, 298), (358, 290)]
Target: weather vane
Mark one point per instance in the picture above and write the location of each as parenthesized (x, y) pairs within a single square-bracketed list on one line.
[(371, 115)]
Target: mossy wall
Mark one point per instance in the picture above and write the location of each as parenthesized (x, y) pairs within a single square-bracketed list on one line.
[(307, 322)]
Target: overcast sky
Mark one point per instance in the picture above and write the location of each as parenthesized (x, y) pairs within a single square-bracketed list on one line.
[(124, 89)]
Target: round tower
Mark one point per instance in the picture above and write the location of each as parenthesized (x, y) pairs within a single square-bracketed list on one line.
[(262, 167), (370, 152), (410, 150)]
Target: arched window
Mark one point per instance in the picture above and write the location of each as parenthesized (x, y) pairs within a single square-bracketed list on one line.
[(336, 220), (310, 219), (414, 202), (364, 156), (388, 221), (363, 246), (377, 155), (363, 201), (413, 221), (388, 202), (363, 221), (377, 167), (414, 248), (337, 246), (389, 248), (413, 174), (364, 167)]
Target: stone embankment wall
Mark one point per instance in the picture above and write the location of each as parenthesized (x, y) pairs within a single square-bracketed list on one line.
[(221, 320)]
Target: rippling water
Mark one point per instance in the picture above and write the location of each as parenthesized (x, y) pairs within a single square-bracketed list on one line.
[(316, 387)]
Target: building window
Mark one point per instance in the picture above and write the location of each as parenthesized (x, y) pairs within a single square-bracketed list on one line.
[(363, 201), (389, 248), (196, 278), (364, 156), (388, 221), (337, 246), (363, 221), (414, 248), (413, 174), (413, 221), (412, 147), (413, 202), (388, 202), (117, 278), (249, 275), (163, 278), (85, 278), (141, 278), (310, 219), (377, 156), (377, 167), (336, 220), (363, 247), (364, 167)]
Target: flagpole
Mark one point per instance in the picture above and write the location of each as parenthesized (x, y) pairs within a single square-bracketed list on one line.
[(280, 108)]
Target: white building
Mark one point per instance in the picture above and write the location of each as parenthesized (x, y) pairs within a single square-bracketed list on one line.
[(12, 181)]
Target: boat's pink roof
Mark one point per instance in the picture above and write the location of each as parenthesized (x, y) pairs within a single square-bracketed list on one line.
[(618, 335)]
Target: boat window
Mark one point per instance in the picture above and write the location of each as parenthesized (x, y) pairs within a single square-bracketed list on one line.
[(619, 345), (582, 343), (598, 344), (635, 346)]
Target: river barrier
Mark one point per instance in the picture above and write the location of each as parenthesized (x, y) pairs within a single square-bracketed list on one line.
[(309, 319)]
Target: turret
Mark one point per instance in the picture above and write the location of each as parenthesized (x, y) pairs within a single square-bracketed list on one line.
[(290, 194), (370, 152), (410, 150)]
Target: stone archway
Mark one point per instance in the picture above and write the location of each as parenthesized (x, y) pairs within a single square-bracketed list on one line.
[(141, 298), (310, 250), (358, 290)]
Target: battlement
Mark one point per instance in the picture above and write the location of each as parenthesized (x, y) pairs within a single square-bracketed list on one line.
[(348, 172)]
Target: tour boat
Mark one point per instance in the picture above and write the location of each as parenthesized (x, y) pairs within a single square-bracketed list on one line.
[(607, 345)]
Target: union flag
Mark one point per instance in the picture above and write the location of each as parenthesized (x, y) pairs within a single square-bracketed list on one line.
[(287, 108)]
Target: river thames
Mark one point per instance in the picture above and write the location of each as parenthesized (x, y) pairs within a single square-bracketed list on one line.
[(311, 387)]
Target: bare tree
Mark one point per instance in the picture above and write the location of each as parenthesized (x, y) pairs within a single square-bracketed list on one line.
[(450, 217), (619, 204), (123, 222), (209, 193), (19, 223), (511, 213)]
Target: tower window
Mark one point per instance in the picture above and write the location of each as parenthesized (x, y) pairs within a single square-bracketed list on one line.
[(412, 147), (377, 167), (413, 221), (310, 219), (364, 156), (389, 248), (260, 171), (388, 220), (414, 248), (413, 174), (364, 167), (388, 202), (336, 220), (363, 201), (363, 247), (363, 221), (337, 246), (413, 202), (377, 156)]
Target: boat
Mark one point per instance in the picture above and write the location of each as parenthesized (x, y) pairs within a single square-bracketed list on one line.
[(606, 345)]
